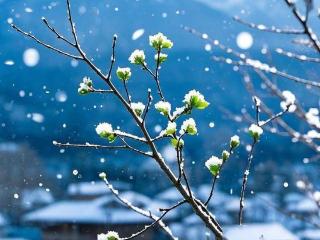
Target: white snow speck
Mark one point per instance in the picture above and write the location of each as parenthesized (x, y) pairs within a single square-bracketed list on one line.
[(157, 128), (244, 40), (207, 47), (36, 117), (82, 10), (22, 93), (61, 96), (74, 63), (137, 34), (9, 62), (31, 57), (28, 10)]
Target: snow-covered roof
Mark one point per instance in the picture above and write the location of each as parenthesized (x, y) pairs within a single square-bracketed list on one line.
[(217, 198), (105, 209), (94, 188), (9, 147), (31, 197), (270, 231), (304, 205), (171, 194), (293, 197), (3, 220), (233, 204), (310, 234)]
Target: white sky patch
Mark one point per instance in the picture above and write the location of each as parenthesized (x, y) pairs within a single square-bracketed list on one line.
[(137, 34), (244, 40), (31, 57)]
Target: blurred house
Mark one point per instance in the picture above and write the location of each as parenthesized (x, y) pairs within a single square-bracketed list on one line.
[(92, 190), (35, 198), (310, 234), (303, 208), (170, 195), (83, 219), (21, 167), (265, 231), (3, 223)]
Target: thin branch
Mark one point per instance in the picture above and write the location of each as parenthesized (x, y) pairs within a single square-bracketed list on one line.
[(131, 136), (101, 91), (147, 227), (148, 106), (261, 124), (59, 36), (214, 183), (113, 56), (212, 189), (87, 145), (299, 57), (303, 21), (265, 68), (134, 149), (45, 44), (72, 25), (138, 210), (157, 76), (264, 28), (245, 180), (97, 146), (127, 92), (245, 61)]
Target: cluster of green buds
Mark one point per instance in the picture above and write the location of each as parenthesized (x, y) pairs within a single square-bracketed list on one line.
[(160, 41), (214, 163), (124, 74), (255, 131), (85, 86), (137, 57), (138, 108), (111, 235), (106, 131), (194, 99)]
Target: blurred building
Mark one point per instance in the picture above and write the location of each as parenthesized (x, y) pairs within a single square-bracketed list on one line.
[(83, 219)]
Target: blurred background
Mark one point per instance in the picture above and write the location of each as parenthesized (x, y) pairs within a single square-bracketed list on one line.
[(54, 193)]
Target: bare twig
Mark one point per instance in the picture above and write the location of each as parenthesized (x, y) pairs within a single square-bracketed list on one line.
[(59, 36), (245, 180), (304, 23), (147, 106), (147, 227), (138, 210), (45, 44), (97, 146), (299, 57), (264, 28), (113, 56)]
